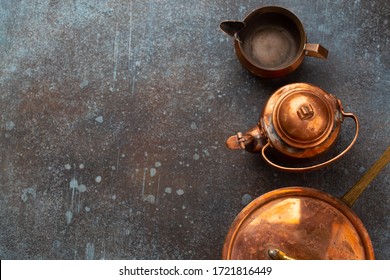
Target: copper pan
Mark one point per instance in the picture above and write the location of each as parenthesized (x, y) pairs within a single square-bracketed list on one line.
[(302, 223)]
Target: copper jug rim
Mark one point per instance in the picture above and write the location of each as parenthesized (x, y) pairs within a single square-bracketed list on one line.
[(271, 41), (291, 44)]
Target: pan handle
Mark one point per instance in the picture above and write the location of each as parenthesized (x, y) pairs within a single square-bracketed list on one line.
[(276, 254), (353, 194), (320, 165)]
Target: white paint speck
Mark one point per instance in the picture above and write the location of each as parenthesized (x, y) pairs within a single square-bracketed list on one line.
[(113, 197), (196, 156), (81, 188), (83, 84), (99, 119), (67, 166), (150, 198), (157, 164), (362, 169), (180, 192), (87, 209), (194, 126), (9, 125), (56, 244), (90, 251), (246, 198), (168, 190), (81, 166), (206, 152), (98, 179), (153, 172), (73, 183), (52, 87), (68, 216), (113, 167), (26, 192)]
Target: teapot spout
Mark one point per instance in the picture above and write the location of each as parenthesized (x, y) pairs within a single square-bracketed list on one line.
[(252, 141), (232, 28)]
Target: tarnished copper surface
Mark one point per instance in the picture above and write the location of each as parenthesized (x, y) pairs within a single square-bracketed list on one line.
[(297, 137), (303, 223), (304, 118), (143, 95), (271, 42), (300, 121)]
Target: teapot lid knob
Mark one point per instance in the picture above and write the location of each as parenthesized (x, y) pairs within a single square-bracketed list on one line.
[(305, 112)]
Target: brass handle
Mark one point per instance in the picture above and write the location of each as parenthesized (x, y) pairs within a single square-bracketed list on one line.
[(352, 195), (317, 166), (277, 254), (316, 50)]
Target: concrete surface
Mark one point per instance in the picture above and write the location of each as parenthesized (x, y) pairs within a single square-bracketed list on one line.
[(114, 116)]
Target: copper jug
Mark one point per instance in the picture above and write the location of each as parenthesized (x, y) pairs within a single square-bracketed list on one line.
[(271, 42), (300, 121)]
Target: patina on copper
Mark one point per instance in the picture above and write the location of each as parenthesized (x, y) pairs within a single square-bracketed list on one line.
[(300, 121), (302, 223), (271, 42)]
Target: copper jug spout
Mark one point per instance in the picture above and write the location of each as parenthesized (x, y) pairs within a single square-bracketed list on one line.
[(251, 141), (232, 28)]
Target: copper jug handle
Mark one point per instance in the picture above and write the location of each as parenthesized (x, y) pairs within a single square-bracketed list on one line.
[(320, 165), (316, 50)]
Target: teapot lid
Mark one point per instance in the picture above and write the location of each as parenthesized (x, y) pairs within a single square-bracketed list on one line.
[(303, 116), (299, 223)]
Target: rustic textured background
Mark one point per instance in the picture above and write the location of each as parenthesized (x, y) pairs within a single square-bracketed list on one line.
[(114, 116)]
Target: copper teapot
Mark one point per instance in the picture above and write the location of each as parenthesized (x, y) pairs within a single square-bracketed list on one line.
[(300, 121)]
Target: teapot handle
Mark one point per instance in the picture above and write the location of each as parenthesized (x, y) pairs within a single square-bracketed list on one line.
[(317, 166)]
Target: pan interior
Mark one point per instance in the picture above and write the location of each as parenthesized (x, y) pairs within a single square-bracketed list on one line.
[(302, 227)]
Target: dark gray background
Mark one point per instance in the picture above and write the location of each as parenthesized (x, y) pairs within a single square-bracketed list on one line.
[(114, 116)]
